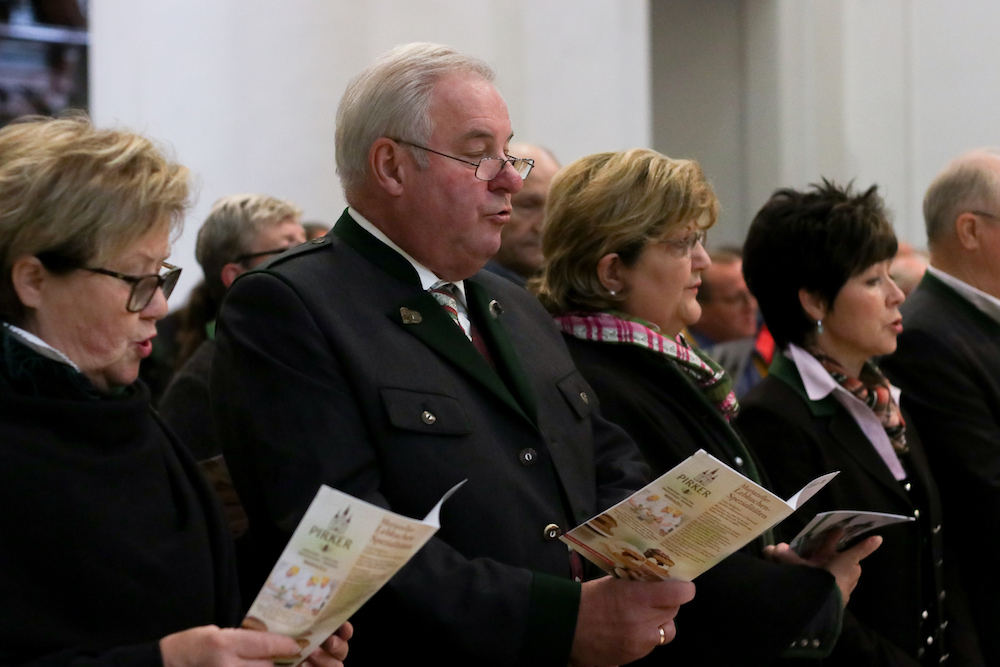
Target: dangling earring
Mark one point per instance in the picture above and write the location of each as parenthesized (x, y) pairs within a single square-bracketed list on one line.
[(819, 327)]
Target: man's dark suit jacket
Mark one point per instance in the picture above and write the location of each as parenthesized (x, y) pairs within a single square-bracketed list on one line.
[(334, 366), (747, 611), (948, 365), (797, 440)]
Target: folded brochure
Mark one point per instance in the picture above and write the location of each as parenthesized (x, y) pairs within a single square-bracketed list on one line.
[(684, 522), (342, 552), (854, 523)]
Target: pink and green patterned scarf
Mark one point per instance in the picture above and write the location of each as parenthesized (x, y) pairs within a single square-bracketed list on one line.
[(616, 327)]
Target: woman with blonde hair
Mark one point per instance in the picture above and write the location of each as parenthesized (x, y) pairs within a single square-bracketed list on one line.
[(115, 552), (622, 238)]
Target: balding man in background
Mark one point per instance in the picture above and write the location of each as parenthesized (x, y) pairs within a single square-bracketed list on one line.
[(520, 254), (948, 365)]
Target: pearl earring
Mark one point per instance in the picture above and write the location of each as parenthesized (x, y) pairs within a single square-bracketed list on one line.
[(612, 292), (819, 326)]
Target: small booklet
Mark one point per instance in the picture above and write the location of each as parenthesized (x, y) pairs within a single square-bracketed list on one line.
[(854, 523), (342, 552), (684, 522)]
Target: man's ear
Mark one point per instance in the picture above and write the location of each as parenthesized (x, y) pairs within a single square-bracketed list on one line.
[(813, 304), (28, 276), (609, 272), (967, 228), (230, 272), (386, 166)]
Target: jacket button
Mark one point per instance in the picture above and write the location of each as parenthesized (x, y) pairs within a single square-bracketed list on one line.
[(936, 529), (803, 643), (552, 532), (907, 486), (527, 456), (584, 397), (916, 514), (930, 640), (941, 596), (815, 643), (428, 417), (924, 614), (738, 461)]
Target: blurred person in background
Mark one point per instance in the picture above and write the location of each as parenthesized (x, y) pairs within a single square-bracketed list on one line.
[(520, 254), (729, 329), (908, 267), (240, 233), (315, 229)]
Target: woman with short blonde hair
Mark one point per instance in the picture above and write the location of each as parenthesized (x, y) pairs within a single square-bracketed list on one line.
[(622, 237), (121, 555)]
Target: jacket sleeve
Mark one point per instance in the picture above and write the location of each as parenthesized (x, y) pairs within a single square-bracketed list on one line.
[(288, 421)]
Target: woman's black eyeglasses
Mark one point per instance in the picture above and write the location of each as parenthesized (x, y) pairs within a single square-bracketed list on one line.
[(144, 287)]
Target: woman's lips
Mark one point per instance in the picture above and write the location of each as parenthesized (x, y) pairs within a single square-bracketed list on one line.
[(897, 326), (145, 347)]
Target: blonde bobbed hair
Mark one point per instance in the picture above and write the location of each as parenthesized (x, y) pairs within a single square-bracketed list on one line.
[(614, 202), (82, 194)]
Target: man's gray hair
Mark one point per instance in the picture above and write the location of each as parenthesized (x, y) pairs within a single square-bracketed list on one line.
[(231, 228), (968, 183), (391, 99)]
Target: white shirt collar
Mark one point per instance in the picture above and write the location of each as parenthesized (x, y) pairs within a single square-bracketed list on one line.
[(35, 343), (987, 303), (428, 279), (817, 380)]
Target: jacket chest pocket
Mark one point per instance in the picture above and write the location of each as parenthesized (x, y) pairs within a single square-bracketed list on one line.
[(421, 412), (581, 398)]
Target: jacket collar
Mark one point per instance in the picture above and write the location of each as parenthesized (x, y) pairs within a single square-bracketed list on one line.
[(935, 285)]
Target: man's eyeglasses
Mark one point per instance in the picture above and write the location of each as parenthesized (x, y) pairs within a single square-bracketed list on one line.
[(686, 244), (487, 168), (144, 287)]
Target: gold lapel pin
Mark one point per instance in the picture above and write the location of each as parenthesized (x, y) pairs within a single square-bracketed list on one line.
[(495, 310), (410, 316)]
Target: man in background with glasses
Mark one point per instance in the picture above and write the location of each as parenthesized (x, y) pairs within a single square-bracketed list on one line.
[(240, 233), (382, 361)]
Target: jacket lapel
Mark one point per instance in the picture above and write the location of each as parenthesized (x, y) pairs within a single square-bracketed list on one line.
[(488, 315), (422, 316)]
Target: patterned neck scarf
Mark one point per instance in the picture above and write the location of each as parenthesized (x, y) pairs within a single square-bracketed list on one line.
[(872, 389), (619, 328)]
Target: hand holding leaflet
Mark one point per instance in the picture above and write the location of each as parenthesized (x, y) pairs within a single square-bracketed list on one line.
[(342, 552), (684, 522)]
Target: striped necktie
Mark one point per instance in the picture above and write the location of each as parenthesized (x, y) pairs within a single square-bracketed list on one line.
[(444, 294)]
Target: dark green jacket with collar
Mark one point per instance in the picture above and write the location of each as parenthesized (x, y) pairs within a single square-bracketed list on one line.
[(334, 366)]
